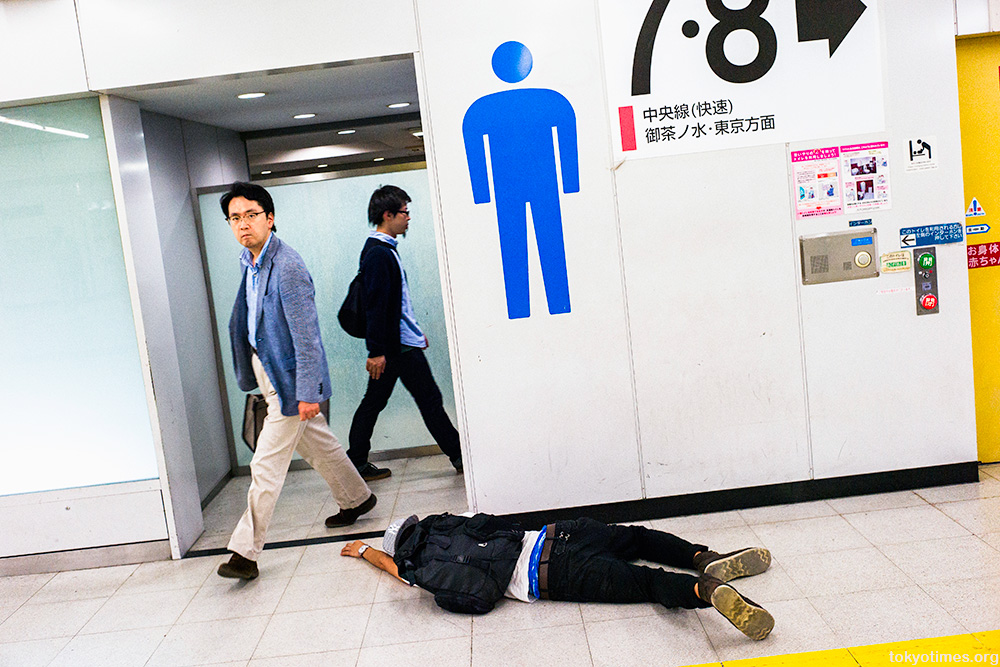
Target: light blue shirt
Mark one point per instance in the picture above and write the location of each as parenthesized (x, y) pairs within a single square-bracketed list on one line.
[(409, 331), (253, 271)]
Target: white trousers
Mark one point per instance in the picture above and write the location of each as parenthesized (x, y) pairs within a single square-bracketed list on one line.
[(279, 439)]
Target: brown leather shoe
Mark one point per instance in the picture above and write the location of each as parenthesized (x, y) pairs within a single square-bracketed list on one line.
[(239, 567), (746, 615), (741, 563), (349, 516)]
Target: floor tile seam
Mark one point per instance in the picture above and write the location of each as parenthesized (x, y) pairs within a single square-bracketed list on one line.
[(559, 624), (813, 553), (946, 611), (708, 635), (800, 518), (812, 598), (586, 636), (263, 632), (944, 514), (819, 614)]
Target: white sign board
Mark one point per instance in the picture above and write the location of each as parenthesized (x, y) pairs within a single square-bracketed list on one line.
[(686, 76)]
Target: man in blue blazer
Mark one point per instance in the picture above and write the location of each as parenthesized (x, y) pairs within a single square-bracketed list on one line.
[(274, 332)]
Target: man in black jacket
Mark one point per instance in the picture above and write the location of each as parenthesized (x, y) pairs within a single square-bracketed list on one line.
[(394, 339), (581, 561)]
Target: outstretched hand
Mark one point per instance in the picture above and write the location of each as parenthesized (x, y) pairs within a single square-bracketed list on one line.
[(352, 549)]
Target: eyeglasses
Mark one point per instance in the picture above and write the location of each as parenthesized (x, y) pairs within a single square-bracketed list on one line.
[(403, 211), (249, 217)]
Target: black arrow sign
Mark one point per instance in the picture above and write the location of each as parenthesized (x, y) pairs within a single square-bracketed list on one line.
[(827, 19)]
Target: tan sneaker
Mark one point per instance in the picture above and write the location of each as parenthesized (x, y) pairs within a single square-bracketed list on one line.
[(735, 564), (746, 615)]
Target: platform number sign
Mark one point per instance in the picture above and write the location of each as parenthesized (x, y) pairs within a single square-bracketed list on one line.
[(694, 75)]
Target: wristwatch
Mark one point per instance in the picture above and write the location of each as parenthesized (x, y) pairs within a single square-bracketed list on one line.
[(361, 550)]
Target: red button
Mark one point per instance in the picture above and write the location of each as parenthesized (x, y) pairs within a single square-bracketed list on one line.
[(928, 301)]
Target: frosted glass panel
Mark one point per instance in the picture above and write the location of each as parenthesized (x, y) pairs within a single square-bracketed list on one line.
[(72, 402), (327, 223)]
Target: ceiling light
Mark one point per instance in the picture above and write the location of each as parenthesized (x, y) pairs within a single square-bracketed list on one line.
[(347, 132), (322, 166), (398, 105), (419, 133), (250, 96), (265, 172), (303, 116), (43, 128), (378, 159)]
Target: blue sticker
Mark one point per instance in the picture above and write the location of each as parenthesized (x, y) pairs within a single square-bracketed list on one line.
[(860, 223), (518, 124), (912, 237), (864, 240)]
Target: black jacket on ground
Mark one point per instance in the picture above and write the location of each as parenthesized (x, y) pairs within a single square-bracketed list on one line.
[(383, 284)]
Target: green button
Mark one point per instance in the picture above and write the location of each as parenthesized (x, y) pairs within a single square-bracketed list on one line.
[(926, 261)]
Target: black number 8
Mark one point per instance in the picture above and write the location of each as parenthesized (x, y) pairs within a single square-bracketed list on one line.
[(731, 20)]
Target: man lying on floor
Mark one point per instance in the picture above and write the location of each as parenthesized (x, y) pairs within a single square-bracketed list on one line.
[(469, 563)]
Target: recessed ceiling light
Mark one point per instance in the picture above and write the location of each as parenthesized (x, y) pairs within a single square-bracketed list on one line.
[(250, 96), (321, 166), (419, 133), (265, 172), (398, 105), (303, 116), (347, 132), (378, 159)]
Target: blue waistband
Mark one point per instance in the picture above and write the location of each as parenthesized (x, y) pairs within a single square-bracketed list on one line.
[(536, 556)]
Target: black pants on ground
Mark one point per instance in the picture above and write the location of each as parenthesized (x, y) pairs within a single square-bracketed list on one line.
[(412, 369), (590, 562)]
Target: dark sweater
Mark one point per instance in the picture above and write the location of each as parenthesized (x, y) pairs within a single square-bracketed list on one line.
[(383, 298)]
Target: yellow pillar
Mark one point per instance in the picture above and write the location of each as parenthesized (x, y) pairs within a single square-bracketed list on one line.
[(979, 104)]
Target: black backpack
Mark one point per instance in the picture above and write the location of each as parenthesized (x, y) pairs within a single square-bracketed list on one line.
[(352, 312), (466, 562)]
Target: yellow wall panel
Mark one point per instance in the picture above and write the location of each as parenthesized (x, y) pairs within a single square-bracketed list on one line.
[(979, 102)]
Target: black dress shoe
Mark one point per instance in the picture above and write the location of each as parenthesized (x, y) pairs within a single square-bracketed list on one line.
[(371, 472), (239, 567), (349, 516)]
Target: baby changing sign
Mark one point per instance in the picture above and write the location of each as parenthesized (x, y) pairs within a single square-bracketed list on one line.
[(694, 75)]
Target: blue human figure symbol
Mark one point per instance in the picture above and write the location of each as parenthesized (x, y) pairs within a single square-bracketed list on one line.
[(518, 124)]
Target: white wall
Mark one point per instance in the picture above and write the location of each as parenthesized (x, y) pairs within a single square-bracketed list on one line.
[(147, 261), (740, 375), (177, 152), (661, 379), (548, 418), (889, 390), (40, 53), (187, 39)]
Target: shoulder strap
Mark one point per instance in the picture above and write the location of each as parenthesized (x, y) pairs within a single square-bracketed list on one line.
[(364, 254)]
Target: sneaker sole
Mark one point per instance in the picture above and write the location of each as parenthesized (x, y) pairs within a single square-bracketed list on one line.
[(755, 622), (381, 475), (745, 563)]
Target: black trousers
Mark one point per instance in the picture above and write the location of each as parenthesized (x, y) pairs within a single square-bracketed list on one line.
[(590, 562), (411, 367)]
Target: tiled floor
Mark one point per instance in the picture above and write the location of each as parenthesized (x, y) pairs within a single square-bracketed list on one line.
[(418, 486), (847, 572)]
